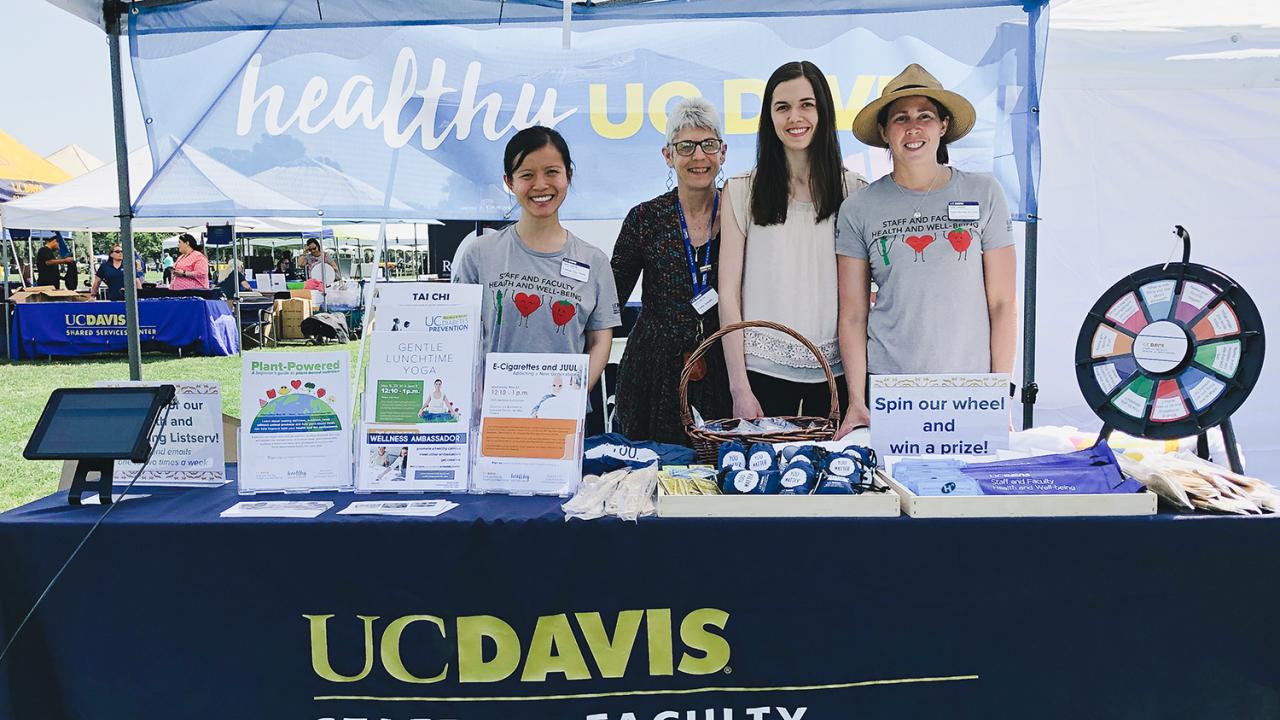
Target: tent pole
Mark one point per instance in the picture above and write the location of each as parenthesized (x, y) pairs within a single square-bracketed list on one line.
[(4, 239), (1031, 209), (114, 12)]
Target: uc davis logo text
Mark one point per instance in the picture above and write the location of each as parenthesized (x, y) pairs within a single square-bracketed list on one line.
[(488, 649)]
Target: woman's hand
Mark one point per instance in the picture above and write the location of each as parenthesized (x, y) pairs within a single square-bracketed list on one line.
[(857, 416), (746, 406)]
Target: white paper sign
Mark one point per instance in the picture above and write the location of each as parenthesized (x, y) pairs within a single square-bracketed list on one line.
[(188, 451), (295, 412), (531, 428), (420, 404), (939, 414)]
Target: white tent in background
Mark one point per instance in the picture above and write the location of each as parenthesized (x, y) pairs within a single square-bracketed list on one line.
[(321, 186), (75, 160), (91, 202)]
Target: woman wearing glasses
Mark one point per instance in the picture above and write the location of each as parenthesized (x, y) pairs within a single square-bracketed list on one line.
[(673, 240), (112, 273), (779, 257)]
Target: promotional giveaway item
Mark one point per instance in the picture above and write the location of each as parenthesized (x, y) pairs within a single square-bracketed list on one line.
[(189, 449), (295, 415), (419, 407), (1092, 471), (531, 424), (939, 414)]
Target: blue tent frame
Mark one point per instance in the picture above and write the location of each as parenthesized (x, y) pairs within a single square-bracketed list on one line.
[(191, 16)]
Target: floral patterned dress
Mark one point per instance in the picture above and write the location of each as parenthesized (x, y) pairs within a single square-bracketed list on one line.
[(648, 387)]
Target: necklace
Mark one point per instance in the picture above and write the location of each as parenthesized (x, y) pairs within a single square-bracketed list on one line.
[(915, 211)]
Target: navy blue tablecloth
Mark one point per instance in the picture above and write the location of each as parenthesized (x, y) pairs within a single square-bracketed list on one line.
[(68, 329), (501, 609)]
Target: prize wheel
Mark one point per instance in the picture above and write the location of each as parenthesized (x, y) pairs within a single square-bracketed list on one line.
[(1170, 350)]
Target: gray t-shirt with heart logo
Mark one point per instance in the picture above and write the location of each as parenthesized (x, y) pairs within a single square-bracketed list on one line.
[(930, 313), (534, 302)]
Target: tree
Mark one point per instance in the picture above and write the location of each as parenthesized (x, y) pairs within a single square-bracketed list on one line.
[(146, 244)]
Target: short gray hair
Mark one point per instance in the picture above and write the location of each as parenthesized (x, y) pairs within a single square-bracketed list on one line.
[(694, 112)]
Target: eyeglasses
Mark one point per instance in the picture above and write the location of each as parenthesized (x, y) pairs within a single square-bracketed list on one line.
[(710, 146), (113, 252)]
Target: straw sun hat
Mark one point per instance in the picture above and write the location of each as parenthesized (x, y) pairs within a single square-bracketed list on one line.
[(914, 80)]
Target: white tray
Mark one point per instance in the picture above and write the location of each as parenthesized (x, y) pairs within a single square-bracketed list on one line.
[(952, 506)]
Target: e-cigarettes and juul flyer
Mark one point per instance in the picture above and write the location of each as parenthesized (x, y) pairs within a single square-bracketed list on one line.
[(532, 424)]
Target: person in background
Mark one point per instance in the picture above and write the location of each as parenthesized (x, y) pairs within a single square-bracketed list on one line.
[(227, 281), (191, 269), (112, 273), (166, 266), (936, 240), (671, 242), (564, 299), (778, 256), (315, 255), (48, 262), (284, 266)]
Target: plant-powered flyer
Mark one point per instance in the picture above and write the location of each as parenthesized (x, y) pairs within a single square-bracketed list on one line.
[(295, 414)]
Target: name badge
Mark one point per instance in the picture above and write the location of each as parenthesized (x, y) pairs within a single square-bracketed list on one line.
[(963, 211), (574, 269), (706, 301)]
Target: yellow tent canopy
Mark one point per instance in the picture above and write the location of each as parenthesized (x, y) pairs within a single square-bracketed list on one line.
[(23, 171)]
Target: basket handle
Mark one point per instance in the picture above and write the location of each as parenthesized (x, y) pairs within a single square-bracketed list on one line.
[(687, 417)]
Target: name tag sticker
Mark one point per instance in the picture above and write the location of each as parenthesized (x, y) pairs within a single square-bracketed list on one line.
[(963, 211), (706, 301), (574, 269)]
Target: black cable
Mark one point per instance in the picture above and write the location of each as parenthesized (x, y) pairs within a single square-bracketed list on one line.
[(164, 420)]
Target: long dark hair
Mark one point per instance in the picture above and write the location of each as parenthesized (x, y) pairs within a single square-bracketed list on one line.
[(882, 120), (771, 188)]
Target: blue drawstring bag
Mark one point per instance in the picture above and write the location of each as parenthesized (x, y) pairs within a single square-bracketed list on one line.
[(761, 458), (796, 478), (832, 485), (732, 456), (743, 482)]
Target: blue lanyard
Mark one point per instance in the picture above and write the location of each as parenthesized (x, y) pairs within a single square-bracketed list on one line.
[(700, 273)]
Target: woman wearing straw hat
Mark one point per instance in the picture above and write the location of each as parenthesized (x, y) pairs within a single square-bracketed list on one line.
[(935, 239)]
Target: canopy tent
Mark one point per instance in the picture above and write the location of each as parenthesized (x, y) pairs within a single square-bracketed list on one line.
[(1158, 112), (75, 160), (255, 83), (89, 202), (23, 171)]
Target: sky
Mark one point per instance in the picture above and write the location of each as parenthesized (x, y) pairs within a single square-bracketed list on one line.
[(57, 86)]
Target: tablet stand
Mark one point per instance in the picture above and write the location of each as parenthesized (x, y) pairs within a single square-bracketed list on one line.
[(80, 482)]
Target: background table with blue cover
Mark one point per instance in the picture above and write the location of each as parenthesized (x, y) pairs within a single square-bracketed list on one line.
[(172, 612), (65, 329)]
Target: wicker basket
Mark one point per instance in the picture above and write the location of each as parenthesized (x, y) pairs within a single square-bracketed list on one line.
[(706, 443)]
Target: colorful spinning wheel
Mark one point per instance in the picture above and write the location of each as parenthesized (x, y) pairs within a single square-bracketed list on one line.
[(1170, 350)]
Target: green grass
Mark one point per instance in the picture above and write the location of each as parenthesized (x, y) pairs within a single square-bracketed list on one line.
[(27, 386)]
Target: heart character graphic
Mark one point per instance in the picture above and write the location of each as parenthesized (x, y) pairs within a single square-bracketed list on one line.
[(320, 392), (271, 394), (960, 240), (526, 304), (562, 311), (296, 384), (919, 243)]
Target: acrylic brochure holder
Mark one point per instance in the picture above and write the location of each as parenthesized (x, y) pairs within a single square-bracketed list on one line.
[(531, 429), (420, 401), (295, 422)]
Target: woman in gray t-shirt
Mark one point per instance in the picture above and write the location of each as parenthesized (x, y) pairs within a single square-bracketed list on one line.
[(546, 290), (935, 240)]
